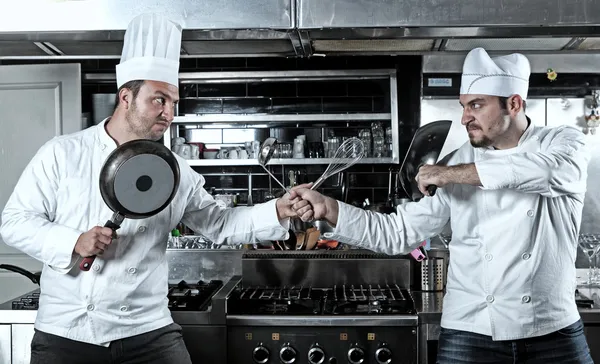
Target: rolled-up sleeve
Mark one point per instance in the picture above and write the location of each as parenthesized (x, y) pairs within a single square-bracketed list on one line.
[(27, 219), (560, 168)]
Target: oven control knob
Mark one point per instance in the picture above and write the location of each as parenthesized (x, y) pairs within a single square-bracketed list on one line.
[(260, 354), (316, 355), (383, 355), (287, 354), (356, 355)]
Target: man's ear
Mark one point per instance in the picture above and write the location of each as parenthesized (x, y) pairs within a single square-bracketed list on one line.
[(514, 104), (125, 97)]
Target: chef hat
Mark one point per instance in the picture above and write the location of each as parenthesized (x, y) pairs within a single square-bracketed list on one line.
[(150, 51), (499, 76)]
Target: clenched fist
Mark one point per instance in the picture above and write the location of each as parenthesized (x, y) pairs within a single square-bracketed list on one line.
[(94, 242)]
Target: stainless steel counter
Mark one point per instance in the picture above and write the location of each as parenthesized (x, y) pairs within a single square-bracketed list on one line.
[(429, 306)]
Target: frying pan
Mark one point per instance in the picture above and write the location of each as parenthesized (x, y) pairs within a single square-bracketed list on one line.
[(138, 180), (425, 148)]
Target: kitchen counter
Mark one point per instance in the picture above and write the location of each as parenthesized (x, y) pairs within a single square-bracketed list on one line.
[(429, 306)]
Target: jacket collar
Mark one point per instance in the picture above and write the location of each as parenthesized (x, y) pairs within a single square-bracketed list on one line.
[(105, 141)]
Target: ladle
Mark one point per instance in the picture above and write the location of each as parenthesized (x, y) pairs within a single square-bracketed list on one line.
[(266, 153)]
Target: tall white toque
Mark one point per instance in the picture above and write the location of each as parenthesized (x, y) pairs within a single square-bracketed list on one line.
[(151, 50)]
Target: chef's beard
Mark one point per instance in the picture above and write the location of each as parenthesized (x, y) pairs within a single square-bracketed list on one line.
[(141, 126), (482, 142)]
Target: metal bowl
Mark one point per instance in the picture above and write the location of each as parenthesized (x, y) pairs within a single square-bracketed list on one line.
[(323, 226)]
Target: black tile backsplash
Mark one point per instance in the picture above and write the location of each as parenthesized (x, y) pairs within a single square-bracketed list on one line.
[(270, 64), (216, 64), (256, 105), (323, 88), (200, 106), (368, 88), (222, 90), (287, 105), (347, 104), (283, 89), (366, 181), (188, 90)]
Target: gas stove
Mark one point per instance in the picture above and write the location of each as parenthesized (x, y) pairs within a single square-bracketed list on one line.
[(337, 300), (304, 308)]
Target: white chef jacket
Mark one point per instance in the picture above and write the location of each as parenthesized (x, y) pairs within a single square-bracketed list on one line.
[(57, 198), (514, 240)]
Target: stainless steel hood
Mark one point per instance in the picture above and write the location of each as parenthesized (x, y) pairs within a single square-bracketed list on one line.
[(95, 28), (217, 28)]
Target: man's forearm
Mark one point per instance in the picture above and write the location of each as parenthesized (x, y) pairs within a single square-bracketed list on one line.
[(465, 174)]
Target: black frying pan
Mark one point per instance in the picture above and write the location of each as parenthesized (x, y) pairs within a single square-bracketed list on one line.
[(425, 148), (138, 180)]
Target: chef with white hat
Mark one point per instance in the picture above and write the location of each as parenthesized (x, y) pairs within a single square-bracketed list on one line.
[(117, 311), (513, 196)]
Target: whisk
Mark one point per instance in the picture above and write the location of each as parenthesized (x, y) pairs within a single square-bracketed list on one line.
[(349, 152)]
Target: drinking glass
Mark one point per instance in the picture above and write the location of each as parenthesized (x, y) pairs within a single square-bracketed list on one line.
[(590, 244)]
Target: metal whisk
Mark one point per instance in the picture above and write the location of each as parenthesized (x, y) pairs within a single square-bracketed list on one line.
[(351, 151)]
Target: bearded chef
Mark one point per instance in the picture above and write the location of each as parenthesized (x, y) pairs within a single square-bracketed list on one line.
[(117, 312), (513, 195)]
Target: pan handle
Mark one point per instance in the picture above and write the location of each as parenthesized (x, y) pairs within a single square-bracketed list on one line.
[(87, 262), (431, 189)]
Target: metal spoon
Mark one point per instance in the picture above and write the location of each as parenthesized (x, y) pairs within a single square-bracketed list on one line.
[(266, 153)]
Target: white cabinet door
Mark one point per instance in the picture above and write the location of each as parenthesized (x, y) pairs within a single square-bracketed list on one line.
[(5, 344), (22, 334), (38, 102)]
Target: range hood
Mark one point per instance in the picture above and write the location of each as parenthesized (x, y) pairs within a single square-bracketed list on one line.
[(304, 28)]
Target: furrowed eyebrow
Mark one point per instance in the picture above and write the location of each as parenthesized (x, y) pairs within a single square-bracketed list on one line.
[(160, 93), (474, 101)]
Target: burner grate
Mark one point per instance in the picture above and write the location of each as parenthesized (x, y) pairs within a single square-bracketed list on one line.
[(368, 293), (28, 302), (278, 293), (294, 300), (337, 300), (192, 296)]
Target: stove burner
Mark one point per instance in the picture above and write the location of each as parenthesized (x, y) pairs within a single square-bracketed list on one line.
[(192, 297), (273, 300), (386, 300), (182, 297), (339, 300), (28, 302)]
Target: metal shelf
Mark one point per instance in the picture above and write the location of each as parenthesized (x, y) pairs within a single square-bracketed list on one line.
[(274, 162), (266, 118), (263, 121)]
